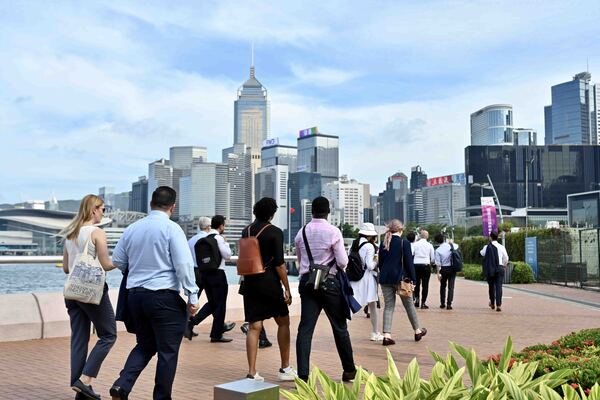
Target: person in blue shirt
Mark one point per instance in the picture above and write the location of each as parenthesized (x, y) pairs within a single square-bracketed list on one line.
[(155, 252)]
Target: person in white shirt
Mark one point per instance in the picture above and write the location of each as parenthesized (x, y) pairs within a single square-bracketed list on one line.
[(446, 275), (424, 257), (215, 284), (495, 272)]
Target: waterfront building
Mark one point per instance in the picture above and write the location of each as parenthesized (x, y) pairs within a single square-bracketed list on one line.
[(204, 191), (241, 181), (160, 173), (273, 153), (553, 172), (107, 194), (346, 197), (584, 209), (139, 195), (524, 137), (444, 200), (272, 182), (318, 153), (181, 159), (414, 199), (304, 187), (492, 125), (394, 198), (572, 118)]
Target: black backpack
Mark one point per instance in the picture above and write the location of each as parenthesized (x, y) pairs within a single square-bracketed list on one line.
[(208, 256), (455, 259), (355, 269)]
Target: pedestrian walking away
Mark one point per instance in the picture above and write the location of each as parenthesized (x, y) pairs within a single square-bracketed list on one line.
[(323, 244), (267, 294), (155, 252), (366, 289), (495, 261), (83, 236), (445, 273), (210, 251), (396, 265), (424, 257)]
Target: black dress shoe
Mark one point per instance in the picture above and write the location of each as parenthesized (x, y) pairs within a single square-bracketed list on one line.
[(418, 336), (221, 339), (424, 307), (449, 307), (442, 306), (388, 342), (417, 303), (262, 344), (189, 330), (244, 328), (119, 393), (228, 326), (85, 390), (348, 376)]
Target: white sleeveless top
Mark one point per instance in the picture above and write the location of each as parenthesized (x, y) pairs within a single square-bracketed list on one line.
[(75, 247)]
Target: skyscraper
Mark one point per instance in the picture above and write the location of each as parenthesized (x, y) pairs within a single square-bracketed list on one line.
[(572, 118), (318, 153), (241, 182), (160, 173), (274, 153), (524, 137), (272, 181), (346, 201), (492, 125), (139, 195), (251, 119), (204, 191), (304, 187), (394, 198), (181, 159)]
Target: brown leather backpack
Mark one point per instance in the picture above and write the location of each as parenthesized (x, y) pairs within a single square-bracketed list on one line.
[(249, 258)]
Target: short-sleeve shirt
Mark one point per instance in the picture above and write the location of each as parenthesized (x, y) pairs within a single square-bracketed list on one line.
[(270, 242)]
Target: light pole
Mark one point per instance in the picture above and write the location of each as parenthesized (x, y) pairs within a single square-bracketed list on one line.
[(528, 162), (499, 209)]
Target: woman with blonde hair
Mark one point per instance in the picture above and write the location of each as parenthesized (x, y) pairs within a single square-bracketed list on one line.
[(84, 368), (396, 265)]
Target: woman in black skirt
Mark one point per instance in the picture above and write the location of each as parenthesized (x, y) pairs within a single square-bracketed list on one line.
[(267, 295)]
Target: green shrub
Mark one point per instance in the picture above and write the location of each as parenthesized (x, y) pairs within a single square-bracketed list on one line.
[(521, 273), (470, 248), (504, 379), (473, 272)]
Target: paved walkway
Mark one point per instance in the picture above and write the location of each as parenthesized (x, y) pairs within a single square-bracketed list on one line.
[(40, 368)]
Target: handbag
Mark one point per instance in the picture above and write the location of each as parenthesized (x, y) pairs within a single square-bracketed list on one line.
[(404, 288), (249, 259), (86, 279)]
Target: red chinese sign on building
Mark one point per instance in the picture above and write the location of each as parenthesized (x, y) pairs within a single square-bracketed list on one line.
[(440, 180)]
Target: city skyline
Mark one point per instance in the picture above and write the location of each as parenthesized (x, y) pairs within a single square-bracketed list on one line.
[(94, 109)]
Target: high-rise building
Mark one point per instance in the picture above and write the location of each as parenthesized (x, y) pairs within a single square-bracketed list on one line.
[(318, 153), (572, 116), (394, 198), (160, 173), (107, 194), (418, 178), (139, 195), (272, 182), (273, 153), (121, 201), (304, 187), (181, 159), (443, 197), (241, 182), (524, 137), (251, 119), (346, 201), (492, 125), (204, 191)]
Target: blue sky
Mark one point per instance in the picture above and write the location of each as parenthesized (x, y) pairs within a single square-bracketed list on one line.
[(94, 91)]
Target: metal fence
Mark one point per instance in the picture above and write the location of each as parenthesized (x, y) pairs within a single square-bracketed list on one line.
[(570, 259)]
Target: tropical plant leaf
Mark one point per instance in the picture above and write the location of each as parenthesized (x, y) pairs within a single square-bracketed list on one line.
[(548, 393), (569, 393), (450, 385), (412, 380), (506, 355), (594, 392), (392, 371), (511, 386)]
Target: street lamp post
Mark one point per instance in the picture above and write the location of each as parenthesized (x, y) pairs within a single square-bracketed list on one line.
[(528, 162)]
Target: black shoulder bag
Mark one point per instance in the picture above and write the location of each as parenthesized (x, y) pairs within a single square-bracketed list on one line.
[(318, 273)]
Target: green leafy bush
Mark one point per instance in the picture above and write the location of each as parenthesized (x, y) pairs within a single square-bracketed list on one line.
[(521, 273), (506, 379), (473, 272)]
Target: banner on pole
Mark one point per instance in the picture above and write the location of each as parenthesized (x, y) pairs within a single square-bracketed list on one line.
[(488, 215)]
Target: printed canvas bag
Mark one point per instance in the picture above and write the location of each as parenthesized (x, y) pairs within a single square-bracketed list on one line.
[(86, 279)]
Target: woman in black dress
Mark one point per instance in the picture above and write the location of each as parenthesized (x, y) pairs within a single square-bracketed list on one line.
[(264, 296)]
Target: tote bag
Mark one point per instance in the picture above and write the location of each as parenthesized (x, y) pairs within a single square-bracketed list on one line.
[(86, 279)]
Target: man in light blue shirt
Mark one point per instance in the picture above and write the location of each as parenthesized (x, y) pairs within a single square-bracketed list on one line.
[(155, 252)]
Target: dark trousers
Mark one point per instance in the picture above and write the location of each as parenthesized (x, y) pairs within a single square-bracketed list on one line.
[(448, 278), (103, 318), (423, 273), (330, 299), (216, 287), (495, 288), (160, 319)]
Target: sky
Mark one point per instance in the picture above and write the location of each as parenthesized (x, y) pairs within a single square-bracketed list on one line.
[(91, 92)]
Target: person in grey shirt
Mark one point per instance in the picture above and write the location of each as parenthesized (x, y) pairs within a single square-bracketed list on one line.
[(446, 275), (155, 252)]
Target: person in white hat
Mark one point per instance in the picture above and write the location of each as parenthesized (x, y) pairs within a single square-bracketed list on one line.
[(366, 289)]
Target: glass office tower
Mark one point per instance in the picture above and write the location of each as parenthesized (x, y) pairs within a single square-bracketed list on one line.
[(571, 119), (492, 125), (251, 120), (319, 153)]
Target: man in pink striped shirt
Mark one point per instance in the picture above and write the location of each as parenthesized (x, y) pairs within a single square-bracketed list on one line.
[(327, 248)]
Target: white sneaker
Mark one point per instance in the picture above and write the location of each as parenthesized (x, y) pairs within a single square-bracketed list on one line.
[(287, 374), (256, 377), (376, 337)]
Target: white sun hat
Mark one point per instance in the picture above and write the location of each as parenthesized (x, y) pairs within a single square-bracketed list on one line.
[(367, 229)]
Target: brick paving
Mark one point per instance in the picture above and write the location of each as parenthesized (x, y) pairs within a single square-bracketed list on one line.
[(40, 368)]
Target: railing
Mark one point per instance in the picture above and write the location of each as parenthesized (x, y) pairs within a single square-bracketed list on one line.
[(58, 259)]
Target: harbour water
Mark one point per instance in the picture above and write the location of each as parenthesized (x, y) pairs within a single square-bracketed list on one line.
[(28, 278)]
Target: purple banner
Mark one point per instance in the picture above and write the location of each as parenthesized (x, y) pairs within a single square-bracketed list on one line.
[(488, 215)]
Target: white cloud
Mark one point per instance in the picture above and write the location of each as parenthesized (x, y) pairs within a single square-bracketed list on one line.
[(321, 76)]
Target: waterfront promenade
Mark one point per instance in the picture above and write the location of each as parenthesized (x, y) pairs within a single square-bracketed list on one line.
[(40, 368)]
